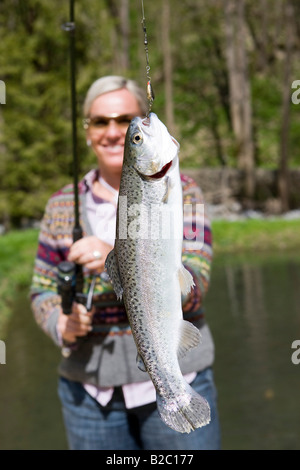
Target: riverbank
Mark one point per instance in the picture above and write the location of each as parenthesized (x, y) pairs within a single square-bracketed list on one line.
[(255, 235), (245, 236), (17, 253)]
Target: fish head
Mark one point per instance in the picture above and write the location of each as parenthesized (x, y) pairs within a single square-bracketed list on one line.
[(149, 148)]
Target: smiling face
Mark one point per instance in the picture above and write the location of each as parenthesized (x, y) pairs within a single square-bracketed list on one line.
[(107, 130)]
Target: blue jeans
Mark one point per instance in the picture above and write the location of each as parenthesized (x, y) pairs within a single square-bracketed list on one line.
[(91, 426)]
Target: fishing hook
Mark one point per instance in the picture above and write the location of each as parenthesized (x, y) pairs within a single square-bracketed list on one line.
[(150, 93)]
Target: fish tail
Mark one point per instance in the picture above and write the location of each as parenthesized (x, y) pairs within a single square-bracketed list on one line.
[(184, 413)]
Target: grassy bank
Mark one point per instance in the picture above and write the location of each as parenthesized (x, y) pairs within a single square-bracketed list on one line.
[(256, 236), (18, 248), (17, 252)]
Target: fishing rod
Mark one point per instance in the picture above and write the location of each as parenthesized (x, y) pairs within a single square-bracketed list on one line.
[(77, 231), (70, 275)]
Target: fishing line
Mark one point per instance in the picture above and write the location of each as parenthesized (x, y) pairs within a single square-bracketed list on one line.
[(150, 93)]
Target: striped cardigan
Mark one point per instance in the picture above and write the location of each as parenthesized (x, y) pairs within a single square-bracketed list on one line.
[(100, 357)]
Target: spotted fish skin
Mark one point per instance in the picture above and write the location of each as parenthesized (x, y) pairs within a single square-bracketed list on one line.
[(146, 269)]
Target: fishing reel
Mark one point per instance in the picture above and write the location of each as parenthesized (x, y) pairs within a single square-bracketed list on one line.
[(67, 288)]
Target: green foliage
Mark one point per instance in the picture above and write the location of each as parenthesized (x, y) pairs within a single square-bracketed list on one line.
[(17, 252), (35, 122)]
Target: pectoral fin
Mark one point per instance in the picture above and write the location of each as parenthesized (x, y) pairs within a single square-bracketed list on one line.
[(111, 265), (185, 279), (190, 338)]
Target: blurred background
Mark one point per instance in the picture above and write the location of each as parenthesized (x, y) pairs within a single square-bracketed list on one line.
[(225, 77)]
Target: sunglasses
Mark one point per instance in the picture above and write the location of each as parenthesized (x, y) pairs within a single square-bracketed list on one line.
[(102, 122)]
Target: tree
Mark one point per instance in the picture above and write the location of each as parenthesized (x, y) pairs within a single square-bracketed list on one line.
[(120, 33), (168, 66), (283, 167), (36, 119), (206, 58), (239, 86)]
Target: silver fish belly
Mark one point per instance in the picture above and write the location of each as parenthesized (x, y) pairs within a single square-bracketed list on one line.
[(146, 271)]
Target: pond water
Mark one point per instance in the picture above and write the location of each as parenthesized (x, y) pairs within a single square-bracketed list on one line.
[(253, 310)]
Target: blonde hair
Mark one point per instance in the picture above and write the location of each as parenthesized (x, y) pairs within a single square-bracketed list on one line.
[(111, 83)]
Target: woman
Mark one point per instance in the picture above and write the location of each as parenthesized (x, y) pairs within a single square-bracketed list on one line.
[(107, 402)]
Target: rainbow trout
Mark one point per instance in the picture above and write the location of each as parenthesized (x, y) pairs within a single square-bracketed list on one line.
[(146, 269)]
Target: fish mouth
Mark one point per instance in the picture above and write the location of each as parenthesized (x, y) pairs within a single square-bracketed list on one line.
[(162, 172), (146, 121), (156, 176)]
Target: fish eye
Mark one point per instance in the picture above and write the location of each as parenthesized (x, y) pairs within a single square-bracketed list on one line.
[(137, 138)]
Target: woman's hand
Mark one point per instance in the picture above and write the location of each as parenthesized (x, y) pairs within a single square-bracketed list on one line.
[(77, 324), (90, 252)]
